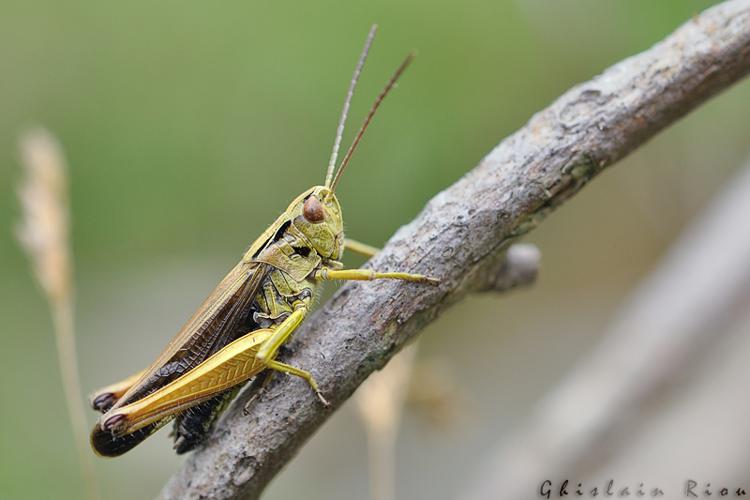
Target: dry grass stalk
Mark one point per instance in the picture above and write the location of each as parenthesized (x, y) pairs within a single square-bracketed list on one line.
[(380, 401), (435, 396), (44, 234)]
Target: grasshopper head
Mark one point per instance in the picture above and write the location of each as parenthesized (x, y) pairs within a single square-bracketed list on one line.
[(317, 211), (319, 219)]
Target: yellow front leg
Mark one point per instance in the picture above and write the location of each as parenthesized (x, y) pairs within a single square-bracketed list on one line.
[(327, 274)]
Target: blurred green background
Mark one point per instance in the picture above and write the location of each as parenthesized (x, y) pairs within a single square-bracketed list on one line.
[(188, 126)]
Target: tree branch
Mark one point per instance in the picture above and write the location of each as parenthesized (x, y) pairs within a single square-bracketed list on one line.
[(458, 237)]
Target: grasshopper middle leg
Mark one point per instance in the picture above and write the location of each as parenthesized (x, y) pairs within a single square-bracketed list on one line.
[(268, 350), (327, 274)]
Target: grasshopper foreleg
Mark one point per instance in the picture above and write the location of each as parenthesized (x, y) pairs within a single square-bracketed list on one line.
[(327, 274)]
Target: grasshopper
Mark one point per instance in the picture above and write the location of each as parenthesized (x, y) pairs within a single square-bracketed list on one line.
[(237, 332)]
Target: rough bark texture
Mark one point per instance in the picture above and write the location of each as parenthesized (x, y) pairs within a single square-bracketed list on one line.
[(459, 237)]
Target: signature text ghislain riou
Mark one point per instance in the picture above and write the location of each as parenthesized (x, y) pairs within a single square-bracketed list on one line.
[(690, 489)]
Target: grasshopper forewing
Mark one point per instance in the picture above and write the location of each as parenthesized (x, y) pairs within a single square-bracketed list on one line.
[(237, 331)]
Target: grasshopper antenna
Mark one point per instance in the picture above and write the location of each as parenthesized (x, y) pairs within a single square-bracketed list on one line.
[(391, 83), (347, 103)]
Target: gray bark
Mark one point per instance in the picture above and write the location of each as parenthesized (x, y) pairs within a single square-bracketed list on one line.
[(459, 237)]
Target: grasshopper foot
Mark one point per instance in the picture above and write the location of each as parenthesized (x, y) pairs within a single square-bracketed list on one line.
[(322, 399), (428, 280)]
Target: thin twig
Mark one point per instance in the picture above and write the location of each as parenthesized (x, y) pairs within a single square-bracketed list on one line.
[(44, 234), (457, 238), (519, 267)]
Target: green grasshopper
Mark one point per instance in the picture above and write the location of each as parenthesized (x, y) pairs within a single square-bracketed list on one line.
[(237, 332)]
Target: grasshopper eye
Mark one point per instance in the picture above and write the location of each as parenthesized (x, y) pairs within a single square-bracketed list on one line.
[(313, 210)]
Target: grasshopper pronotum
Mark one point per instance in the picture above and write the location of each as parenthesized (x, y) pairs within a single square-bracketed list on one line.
[(237, 331)]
